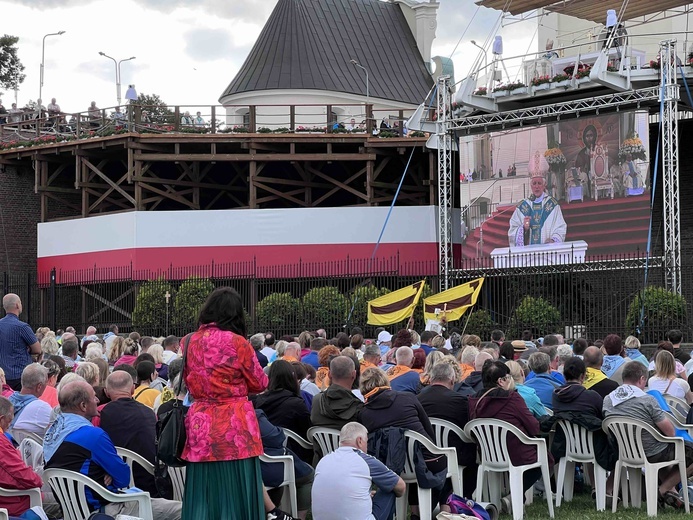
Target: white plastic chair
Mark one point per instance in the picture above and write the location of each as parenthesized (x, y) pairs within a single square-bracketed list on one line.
[(679, 408), (3, 514), (69, 488), (411, 438), (442, 431), (34, 495), (130, 457), (303, 443), (632, 459), (289, 479), (20, 435), (32, 455), (491, 436), (579, 447), (327, 439), (177, 474)]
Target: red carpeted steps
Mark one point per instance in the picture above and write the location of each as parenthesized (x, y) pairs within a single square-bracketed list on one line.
[(610, 227)]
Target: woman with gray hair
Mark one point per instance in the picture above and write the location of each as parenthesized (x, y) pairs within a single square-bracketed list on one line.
[(632, 346)]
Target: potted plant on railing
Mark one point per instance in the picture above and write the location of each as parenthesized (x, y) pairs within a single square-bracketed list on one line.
[(481, 91), (656, 64), (583, 75), (541, 82), (560, 80)]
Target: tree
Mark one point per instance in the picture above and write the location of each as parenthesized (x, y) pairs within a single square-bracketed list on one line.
[(156, 107), (278, 313), (324, 307), (537, 315), (11, 69)]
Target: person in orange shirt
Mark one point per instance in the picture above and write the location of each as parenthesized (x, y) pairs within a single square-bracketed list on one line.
[(466, 358), (146, 373), (371, 357)]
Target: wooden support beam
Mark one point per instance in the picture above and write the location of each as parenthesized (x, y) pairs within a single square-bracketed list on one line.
[(252, 174), (115, 186), (264, 157), (176, 182), (270, 198), (369, 182), (106, 194), (278, 193), (173, 196)]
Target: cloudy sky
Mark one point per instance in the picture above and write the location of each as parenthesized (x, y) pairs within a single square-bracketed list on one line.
[(187, 51)]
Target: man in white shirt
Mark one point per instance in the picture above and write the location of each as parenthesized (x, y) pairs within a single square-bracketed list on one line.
[(268, 349), (171, 345), (355, 471), (30, 413)]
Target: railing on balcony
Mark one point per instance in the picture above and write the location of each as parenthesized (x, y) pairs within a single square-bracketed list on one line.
[(29, 126)]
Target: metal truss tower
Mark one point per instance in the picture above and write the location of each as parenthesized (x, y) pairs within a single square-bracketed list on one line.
[(445, 189), (670, 170)]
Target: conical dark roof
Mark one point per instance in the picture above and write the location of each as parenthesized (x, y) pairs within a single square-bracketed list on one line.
[(308, 44)]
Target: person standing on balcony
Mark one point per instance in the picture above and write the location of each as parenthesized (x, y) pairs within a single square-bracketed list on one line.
[(537, 219)]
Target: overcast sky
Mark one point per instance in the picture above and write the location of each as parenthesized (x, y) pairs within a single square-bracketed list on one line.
[(187, 51)]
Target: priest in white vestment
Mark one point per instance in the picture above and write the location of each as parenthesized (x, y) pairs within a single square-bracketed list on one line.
[(538, 219)]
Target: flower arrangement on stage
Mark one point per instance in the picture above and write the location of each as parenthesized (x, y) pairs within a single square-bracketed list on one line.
[(583, 72), (554, 156), (481, 91), (541, 80), (510, 86), (560, 77), (632, 146), (656, 64)]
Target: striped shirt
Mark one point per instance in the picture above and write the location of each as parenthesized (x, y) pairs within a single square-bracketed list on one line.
[(15, 339)]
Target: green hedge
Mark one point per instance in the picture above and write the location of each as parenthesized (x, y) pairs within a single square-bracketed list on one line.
[(325, 307), (664, 310), (191, 294), (149, 313), (537, 315), (278, 313)]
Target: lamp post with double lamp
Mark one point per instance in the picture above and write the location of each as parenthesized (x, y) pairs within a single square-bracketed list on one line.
[(43, 57), (117, 71)]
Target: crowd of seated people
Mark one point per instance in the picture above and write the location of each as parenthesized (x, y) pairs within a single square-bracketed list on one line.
[(84, 396)]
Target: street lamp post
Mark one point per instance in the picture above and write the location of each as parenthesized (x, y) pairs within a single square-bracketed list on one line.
[(485, 58), (357, 64), (43, 56), (117, 71)]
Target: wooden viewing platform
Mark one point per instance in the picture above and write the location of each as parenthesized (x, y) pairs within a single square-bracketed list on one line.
[(185, 171)]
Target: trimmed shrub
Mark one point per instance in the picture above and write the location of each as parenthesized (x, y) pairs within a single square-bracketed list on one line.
[(664, 310), (278, 313), (192, 293), (149, 314), (324, 307), (537, 315), (480, 323)]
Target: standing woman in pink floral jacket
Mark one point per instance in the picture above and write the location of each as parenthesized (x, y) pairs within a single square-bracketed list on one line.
[(223, 444)]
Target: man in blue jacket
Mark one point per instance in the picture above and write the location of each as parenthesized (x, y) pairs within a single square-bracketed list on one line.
[(542, 382), (74, 444)]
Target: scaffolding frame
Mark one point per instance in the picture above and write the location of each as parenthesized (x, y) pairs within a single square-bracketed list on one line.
[(667, 93)]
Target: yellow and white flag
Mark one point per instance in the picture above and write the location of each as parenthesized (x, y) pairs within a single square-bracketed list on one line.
[(454, 302), (395, 306)]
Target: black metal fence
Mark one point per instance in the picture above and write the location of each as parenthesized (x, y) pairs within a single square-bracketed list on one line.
[(591, 298)]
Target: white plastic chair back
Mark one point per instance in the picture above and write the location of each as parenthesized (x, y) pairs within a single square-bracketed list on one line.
[(69, 488), (32, 455), (409, 474), (177, 475), (34, 495), (443, 429), (632, 458), (303, 443), (492, 437), (579, 443), (3, 514), (20, 435), (130, 458), (327, 439), (289, 479), (679, 408)]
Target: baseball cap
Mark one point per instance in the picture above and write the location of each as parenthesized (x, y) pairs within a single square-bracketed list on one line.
[(384, 336)]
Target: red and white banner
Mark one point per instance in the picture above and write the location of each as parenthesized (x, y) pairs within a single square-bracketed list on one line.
[(151, 241)]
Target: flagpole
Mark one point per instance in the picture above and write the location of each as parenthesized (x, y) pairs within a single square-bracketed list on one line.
[(465, 323)]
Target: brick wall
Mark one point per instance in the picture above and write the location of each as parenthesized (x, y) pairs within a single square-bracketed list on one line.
[(20, 213)]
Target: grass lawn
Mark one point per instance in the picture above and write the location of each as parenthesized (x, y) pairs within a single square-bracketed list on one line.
[(583, 507)]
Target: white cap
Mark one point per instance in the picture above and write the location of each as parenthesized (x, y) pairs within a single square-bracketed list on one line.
[(383, 337), (611, 18)]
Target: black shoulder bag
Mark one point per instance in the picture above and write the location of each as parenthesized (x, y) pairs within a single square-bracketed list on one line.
[(170, 428)]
